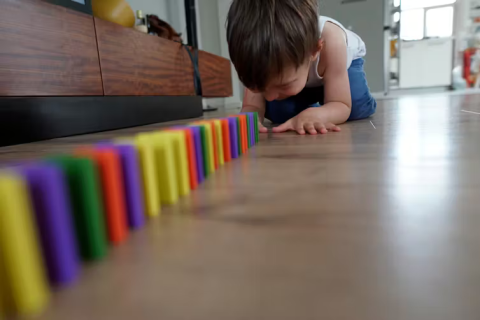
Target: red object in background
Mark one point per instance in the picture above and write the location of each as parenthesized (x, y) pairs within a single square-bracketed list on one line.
[(110, 172), (467, 63)]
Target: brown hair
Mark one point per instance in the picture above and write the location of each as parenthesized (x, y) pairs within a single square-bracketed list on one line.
[(265, 36)]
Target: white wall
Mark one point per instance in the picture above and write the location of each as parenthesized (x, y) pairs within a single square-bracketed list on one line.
[(209, 26), (156, 7), (211, 16), (236, 100), (365, 18), (176, 17), (461, 29)]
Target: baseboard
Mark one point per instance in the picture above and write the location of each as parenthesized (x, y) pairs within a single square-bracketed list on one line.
[(32, 119)]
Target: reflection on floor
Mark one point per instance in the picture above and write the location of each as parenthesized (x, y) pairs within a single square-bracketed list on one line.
[(380, 221)]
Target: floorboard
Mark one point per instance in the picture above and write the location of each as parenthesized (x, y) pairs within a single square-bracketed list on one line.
[(380, 221)]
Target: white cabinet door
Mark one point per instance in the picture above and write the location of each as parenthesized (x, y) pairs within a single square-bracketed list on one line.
[(426, 63), (437, 62), (411, 64)]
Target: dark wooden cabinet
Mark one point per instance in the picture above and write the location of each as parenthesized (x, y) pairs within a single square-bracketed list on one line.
[(63, 72), (216, 75), (136, 64), (47, 50)]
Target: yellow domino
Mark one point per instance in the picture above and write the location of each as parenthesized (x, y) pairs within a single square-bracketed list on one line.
[(166, 167), (219, 136), (146, 152), (181, 160), (23, 282)]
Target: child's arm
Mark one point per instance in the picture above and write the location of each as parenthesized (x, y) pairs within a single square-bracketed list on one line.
[(338, 101), (255, 102)]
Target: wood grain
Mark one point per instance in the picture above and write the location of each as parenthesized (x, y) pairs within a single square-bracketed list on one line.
[(365, 224), (216, 74), (47, 50), (134, 63)]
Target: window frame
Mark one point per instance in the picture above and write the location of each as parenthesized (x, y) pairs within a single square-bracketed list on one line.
[(425, 10)]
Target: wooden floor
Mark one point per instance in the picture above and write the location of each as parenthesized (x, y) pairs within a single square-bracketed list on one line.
[(380, 221)]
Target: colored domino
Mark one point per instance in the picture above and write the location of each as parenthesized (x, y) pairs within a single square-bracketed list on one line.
[(255, 117), (166, 166), (219, 136), (244, 132), (209, 155), (53, 215), (132, 184), (234, 141), (111, 181), (148, 167), (191, 155), (55, 211), (227, 152), (251, 127), (180, 152), (23, 283), (199, 151), (87, 204)]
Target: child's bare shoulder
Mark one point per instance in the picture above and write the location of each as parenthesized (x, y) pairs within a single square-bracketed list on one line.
[(333, 33)]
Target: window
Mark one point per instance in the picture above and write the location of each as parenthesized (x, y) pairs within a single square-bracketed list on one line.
[(439, 22), (412, 24), (426, 18), (415, 4)]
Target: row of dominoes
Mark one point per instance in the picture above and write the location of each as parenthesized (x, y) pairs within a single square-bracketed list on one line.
[(63, 209)]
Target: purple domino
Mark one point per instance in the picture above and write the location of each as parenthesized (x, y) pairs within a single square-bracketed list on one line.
[(197, 141), (198, 153), (51, 203), (132, 182), (133, 185), (232, 126), (252, 128)]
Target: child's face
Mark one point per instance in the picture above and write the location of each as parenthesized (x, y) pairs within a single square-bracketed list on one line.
[(288, 84), (291, 82)]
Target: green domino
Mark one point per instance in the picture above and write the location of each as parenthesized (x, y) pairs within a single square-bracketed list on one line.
[(206, 155), (86, 199), (249, 125), (255, 117)]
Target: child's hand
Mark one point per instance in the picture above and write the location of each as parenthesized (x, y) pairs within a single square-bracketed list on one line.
[(309, 120), (262, 128)]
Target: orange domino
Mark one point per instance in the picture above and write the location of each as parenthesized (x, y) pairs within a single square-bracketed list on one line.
[(226, 140), (192, 160), (110, 172), (243, 132)]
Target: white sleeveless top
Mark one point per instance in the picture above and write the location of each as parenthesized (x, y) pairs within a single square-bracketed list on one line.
[(355, 49)]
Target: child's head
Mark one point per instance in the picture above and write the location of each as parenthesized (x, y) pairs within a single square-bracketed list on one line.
[(272, 43)]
